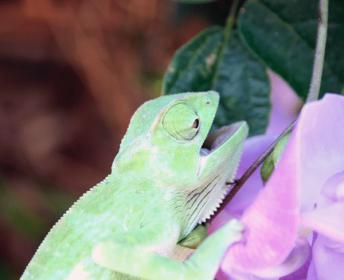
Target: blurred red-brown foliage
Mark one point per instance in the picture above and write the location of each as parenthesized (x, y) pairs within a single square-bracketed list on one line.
[(71, 74)]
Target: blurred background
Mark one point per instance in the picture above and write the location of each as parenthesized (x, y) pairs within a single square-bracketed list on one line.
[(71, 75)]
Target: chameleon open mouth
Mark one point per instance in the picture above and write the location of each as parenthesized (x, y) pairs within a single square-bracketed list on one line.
[(218, 137)]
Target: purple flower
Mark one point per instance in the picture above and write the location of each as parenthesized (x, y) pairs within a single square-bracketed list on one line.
[(295, 223), (285, 104)]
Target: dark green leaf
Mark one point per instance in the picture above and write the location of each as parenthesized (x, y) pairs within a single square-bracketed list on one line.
[(283, 33), (193, 65), (211, 61)]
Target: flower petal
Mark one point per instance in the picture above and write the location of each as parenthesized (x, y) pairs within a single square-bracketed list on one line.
[(271, 218), (328, 260), (253, 148), (320, 143), (294, 261), (285, 104), (327, 221), (334, 187)]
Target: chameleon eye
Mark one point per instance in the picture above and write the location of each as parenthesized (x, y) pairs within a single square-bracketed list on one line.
[(195, 124), (181, 122)]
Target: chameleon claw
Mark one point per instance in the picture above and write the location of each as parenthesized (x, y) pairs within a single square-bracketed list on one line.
[(232, 183)]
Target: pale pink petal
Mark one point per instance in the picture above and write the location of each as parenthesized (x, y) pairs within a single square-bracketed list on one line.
[(328, 221), (321, 147), (296, 259), (271, 220), (328, 260), (285, 104), (334, 187), (253, 148), (302, 272)]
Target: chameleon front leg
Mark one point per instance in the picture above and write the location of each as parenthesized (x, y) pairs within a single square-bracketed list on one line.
[(202, 265)]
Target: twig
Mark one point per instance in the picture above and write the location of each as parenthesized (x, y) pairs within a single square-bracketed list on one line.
[(237, 184), (231, 18), (319, 56)]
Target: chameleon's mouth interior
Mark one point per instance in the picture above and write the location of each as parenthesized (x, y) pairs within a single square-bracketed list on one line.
[(218, 137)]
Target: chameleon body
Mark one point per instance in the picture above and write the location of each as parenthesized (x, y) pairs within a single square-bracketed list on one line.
[(167, 177)]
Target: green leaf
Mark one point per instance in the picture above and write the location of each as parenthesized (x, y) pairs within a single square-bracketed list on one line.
[(283, 34), (271, 161), (215, 60)]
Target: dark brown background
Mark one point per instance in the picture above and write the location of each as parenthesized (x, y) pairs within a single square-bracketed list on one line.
[(71, 74)]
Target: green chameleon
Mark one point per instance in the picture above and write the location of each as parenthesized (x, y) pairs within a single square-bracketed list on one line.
[(168, 176)]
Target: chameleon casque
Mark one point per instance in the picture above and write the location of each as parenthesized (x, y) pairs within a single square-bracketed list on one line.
[(168, 176)]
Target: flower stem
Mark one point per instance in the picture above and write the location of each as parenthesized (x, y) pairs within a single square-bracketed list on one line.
[(231, 19), (237, 184), (319, 56)]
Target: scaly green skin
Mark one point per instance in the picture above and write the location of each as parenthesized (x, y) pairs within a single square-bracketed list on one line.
[(159, 189)]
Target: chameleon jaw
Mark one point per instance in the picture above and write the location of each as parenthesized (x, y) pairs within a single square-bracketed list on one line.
[(218, 137), (218, 159)]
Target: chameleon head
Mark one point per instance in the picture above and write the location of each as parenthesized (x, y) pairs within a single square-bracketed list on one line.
[(168, 139)]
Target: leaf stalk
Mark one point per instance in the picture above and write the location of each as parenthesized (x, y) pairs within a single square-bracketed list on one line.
[(319, 57)]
